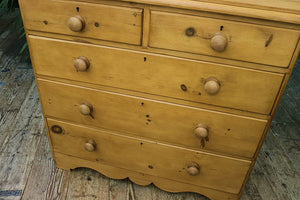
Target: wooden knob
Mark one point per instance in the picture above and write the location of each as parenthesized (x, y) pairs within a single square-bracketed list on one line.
[(90, 145), (212, 85), (86, 108), (218, 42), (76, 23), (81, 64), (201, 131), (193, 169)]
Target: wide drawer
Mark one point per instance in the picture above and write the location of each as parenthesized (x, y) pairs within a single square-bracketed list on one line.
[(160, 121), (148, 157), (242, 89), (98, 21), (246, 42)]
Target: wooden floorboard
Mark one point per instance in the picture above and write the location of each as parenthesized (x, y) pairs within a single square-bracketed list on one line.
[(20, 142), (45, 181), (87, 184), (26, 162)]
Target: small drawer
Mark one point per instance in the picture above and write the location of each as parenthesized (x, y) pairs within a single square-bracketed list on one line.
[(222, 38), (160, 121), (112, 23), (203, 82), (148, 157)]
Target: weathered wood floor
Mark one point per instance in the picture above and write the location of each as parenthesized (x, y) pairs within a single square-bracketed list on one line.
[(26, 163)]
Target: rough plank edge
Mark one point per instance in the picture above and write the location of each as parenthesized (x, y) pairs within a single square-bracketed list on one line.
[(67, 162)]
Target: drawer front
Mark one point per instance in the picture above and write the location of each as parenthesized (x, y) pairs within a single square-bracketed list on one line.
[(97, 21), (246, 42), (242, 89), (171, 123), (217, 172)]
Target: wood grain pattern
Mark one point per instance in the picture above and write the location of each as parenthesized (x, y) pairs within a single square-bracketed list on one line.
[(101, 21), (159, 98), (246, 42), (87, 184), (68, 162), (146, 25), (285, 124), (152, 119), (118, 189), (279, 14), (21, 125), (274, 176), (159, 195), (213, 10), (91, 147), (45, 181), (20, 116), (280, 170), (179, 54), (242, 89), (151, 158), (10, 77), (278, 5), (19, 142)]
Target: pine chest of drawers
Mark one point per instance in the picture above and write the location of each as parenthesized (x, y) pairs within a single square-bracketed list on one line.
[(177, 93)]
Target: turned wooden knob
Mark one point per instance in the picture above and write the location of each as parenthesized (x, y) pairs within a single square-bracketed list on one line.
[(81, 64), (86, 108), (201, 131), (212, 85), (193, 169), (90, 145), (218, 42), (76, 23)]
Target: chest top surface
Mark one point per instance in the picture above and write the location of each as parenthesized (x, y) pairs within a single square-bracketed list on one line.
[(292, 6), (287, 11)]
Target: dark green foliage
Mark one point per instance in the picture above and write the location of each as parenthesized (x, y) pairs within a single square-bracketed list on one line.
[(9, 6)]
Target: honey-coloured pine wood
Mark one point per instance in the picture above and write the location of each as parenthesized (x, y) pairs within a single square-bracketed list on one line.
[(278, 5), (103, 22), (243, 89), (275, 176), (252, 43), (69, 162), (276, 12), (281, 145), (156, 159), (160, 121), (117, 112)]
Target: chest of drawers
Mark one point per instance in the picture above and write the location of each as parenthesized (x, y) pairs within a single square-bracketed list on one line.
[(177, 93)]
